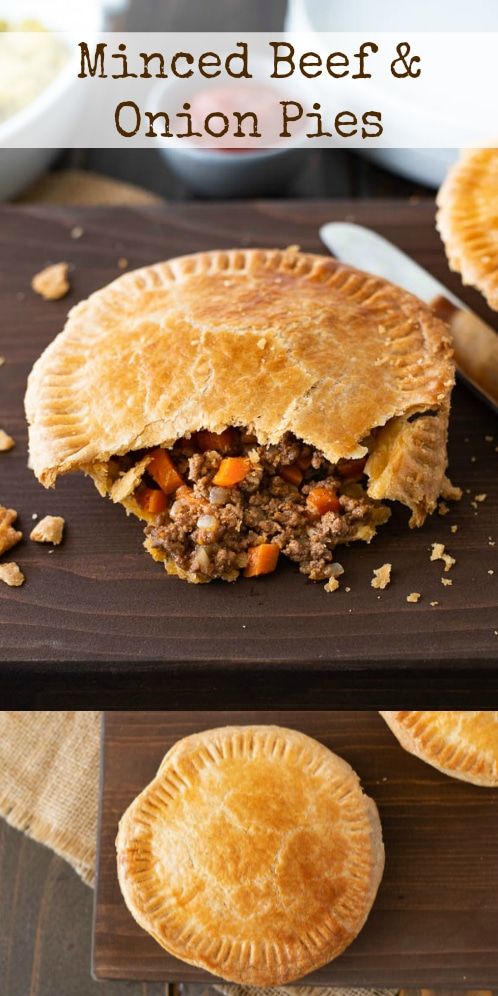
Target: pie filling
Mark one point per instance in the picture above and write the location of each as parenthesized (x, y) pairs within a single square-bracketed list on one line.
[(222, 504)]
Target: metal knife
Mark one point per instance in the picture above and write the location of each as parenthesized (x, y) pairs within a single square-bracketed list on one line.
[(475, 343)]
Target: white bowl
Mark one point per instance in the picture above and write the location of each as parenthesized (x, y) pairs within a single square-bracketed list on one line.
[(216, 173), (424, 164), (233, 174), (44, 125)]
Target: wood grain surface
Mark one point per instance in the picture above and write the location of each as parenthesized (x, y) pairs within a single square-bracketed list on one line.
[(435, 920), (45, 926), (98, 622)]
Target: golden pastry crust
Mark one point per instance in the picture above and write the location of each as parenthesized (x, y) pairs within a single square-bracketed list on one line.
[(461, 744), (253, 854), (468, 220), (272, 340)]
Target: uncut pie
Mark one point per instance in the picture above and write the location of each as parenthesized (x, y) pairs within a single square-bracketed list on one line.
[(468, 220), (253, 854), (248, 403), (461, 744)]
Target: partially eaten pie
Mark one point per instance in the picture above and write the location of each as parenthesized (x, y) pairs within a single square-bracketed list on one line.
[(461, 744), (468, 220), (246, 404), (254, 854)]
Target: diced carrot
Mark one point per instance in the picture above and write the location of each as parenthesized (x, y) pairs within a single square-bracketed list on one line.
[(152, 500), (262, 559), (222, 442), (232, 470), (321, 500), (163, 471), (291, 473), (351, 468)]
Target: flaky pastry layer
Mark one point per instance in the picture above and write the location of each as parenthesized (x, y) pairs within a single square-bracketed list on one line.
[(273, 340), (461, 744), (253, 853)]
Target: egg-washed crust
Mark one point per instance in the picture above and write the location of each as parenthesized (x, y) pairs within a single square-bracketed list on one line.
[(468, 220), (272, 340), (461, 744), (254, 854)]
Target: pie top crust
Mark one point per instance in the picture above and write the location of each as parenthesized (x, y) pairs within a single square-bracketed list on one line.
[(461, 744), (253, 854), (272, 340), (468, 220)]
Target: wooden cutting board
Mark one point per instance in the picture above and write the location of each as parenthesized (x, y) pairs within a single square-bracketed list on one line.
[(100, 610), (435, 921)]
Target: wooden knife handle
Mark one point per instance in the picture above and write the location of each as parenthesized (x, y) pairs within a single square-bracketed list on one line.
[(475, 344)]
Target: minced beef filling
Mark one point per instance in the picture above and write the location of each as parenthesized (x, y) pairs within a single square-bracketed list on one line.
[(208, 531)]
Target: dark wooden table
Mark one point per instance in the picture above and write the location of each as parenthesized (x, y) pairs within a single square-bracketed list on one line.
[(45, 926), (98, 623), (435, 920)]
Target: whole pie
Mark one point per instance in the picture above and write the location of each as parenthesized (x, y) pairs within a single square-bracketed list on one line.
[(461, 744), (254, 854), (468, 220), (247, 404)]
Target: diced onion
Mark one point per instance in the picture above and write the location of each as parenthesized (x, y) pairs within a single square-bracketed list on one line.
[(207, 522), (336, 570), (201, 559), (218, 496)]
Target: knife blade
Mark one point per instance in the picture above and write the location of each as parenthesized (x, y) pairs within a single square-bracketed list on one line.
[(475, 343)]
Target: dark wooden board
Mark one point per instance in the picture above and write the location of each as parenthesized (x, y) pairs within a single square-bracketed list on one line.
[(98, 622), (435, 921)]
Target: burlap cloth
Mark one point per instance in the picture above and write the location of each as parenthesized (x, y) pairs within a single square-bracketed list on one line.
[(49, 775)]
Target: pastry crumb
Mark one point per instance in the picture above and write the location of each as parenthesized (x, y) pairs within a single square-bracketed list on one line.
[(332, 584), (434, 603), (450, 491), (52, 283), (438, 553), (481, 498), (12, 575), (447, 582), (443, 508), (347, 589), (2, 361), (489, 439), (8, 535), (6, 441), (491, 571), (454, 529), (48, 530), (35, 515), (122, 262), (77, 232), (473, 459), (414, 596), (382, 576)]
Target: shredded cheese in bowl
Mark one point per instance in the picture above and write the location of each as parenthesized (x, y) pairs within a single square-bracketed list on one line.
[(30, 59)]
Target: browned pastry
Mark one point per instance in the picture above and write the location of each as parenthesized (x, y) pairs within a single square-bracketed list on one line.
[(468, 220), (277, 349), (253, 854), (461, 744)]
